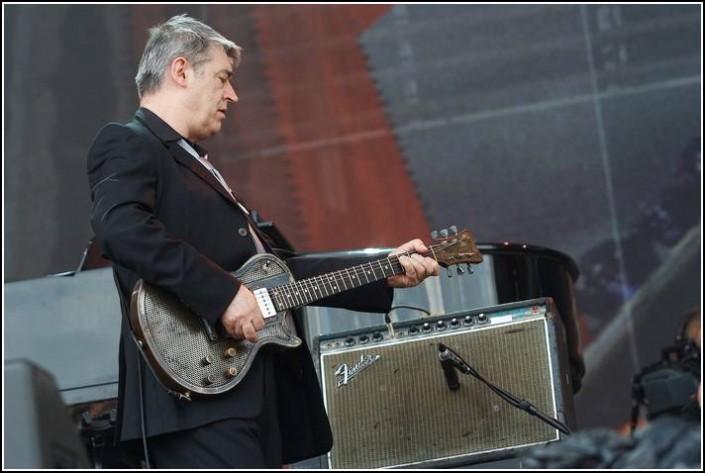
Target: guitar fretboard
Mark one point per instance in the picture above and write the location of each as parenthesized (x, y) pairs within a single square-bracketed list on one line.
[(300, 293)]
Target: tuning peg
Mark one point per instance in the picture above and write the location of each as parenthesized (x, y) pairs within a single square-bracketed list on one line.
[(444, 232), (470, 269), (461, 271), (434, 234), (449, 272), (454, 229)]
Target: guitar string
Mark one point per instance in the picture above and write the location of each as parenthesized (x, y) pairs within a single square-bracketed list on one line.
[(297, 291)]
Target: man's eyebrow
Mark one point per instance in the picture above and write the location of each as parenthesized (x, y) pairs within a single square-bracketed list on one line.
[(226, 71)]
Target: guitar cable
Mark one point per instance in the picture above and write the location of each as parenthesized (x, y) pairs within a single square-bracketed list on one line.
[(388, 318), (142, 419)]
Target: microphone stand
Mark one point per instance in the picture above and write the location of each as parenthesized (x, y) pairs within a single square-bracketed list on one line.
[(462, 366)]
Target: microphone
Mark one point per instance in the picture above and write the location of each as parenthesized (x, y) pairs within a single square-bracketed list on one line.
[(452, 359), (448, 366)]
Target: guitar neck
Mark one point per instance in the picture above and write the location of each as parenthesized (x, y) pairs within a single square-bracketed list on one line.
[(300, 293)]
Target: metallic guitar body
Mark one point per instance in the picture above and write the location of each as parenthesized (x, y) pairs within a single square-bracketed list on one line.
[(181, 348)]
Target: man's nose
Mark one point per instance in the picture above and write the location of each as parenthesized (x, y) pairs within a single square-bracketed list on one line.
[(230, 94)]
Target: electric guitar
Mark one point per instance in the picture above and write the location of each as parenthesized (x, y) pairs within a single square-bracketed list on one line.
[(191, 357)]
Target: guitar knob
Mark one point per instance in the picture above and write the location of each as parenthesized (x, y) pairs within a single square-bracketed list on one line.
[(231, 372), (453, 229), (482, 318), (434, 235), (426, 327), (440, 325), (210, 379), (207, 360), (461, 271), (449, 272), (444, 233), (470, 270), (454, 322), (230, 352), (468, 320)]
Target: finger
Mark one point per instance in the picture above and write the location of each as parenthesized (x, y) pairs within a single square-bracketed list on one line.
[(411, 246), (430, 266), (424, 266), (258, 322), (435, 268), (420, 246), (409, 265), (250, 333), (232, 331)]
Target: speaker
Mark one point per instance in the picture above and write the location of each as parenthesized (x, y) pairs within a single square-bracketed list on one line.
[(390, 405), (37, 425)]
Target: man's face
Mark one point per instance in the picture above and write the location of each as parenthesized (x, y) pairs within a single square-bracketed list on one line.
[(210, 92)]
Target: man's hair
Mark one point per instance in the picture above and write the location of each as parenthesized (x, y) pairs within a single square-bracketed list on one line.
[(180, 36)]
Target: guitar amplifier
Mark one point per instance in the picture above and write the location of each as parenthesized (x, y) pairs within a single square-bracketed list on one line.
[(390, 405)]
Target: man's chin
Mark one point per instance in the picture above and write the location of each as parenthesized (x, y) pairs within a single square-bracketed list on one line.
[(213, 129)]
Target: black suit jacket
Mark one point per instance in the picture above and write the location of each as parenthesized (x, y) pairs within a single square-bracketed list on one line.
[(160, 215)]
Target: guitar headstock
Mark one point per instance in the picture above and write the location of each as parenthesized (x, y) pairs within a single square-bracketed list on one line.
[(455, 247)]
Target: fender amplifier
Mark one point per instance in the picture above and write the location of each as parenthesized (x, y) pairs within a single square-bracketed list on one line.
[(390, 405)]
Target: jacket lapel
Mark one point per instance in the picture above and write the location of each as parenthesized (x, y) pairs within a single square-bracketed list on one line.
[(184, 158), (169, 137)]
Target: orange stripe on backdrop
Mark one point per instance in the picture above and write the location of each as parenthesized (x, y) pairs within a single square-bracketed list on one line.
[(349, 181)]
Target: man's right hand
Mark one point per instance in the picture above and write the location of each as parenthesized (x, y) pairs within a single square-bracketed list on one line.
[(242, 318)]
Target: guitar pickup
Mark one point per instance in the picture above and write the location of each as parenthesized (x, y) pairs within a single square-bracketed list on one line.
[(266, 306)]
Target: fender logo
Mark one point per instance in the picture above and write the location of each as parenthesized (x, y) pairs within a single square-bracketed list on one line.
[(345, 374)]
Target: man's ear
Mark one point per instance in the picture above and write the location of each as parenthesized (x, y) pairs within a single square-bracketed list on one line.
[(178, 70)]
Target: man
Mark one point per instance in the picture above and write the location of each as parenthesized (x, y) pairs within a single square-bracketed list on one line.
[(162, 213)]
